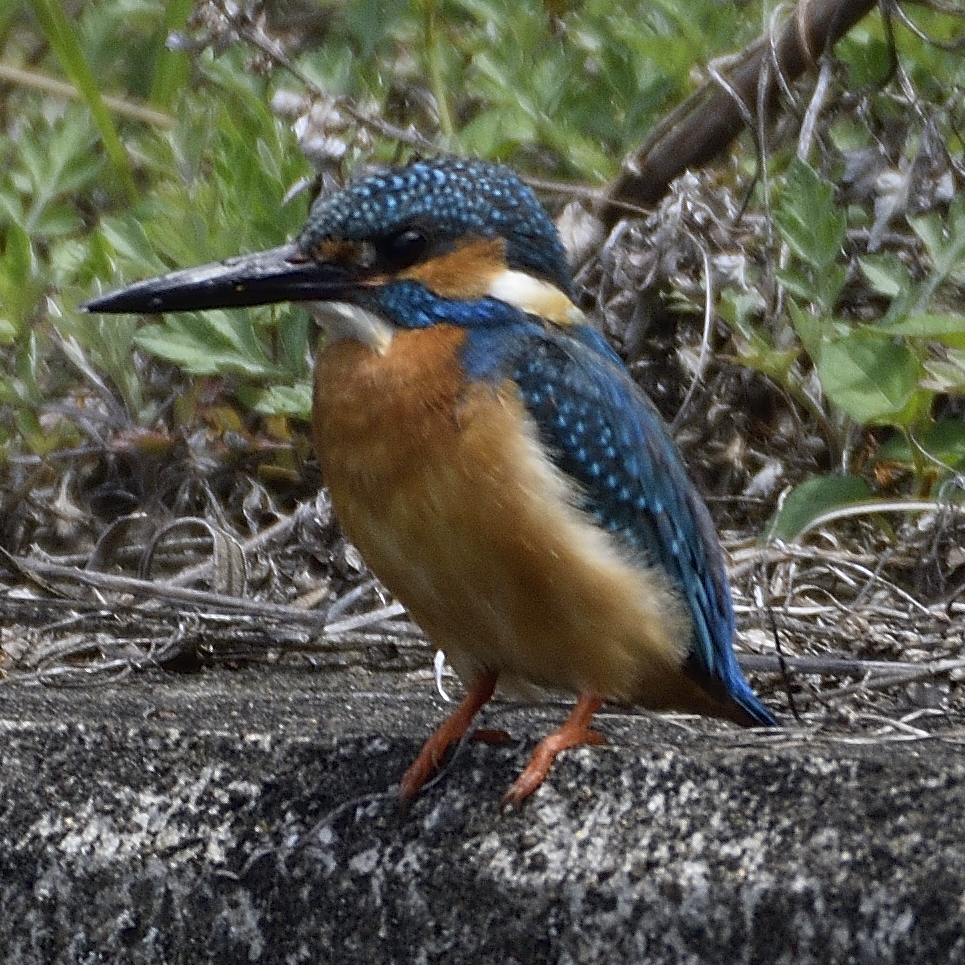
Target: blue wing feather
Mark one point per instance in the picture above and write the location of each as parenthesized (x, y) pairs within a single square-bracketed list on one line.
[(604, 433)]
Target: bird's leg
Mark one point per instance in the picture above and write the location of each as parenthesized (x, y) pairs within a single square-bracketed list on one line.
[(573, 733), (451, 731)]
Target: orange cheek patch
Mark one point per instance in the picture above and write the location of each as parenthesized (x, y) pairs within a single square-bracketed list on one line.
[(465, 273)]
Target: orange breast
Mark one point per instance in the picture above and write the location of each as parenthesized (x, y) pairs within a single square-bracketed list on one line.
[(445, 490)]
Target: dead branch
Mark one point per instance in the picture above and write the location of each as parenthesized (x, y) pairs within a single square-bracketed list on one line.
[(715, 114)]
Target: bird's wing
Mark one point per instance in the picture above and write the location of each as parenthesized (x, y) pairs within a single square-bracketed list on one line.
[(602, 431)]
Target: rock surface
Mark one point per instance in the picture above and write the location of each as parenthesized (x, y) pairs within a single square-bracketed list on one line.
[(249, 816)]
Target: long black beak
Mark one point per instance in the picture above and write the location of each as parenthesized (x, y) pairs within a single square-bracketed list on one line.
[(277, 275)]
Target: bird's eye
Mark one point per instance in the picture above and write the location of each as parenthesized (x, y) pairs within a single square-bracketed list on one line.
[(402, 249)]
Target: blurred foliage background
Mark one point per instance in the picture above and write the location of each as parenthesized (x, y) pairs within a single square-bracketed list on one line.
[(142, 136)]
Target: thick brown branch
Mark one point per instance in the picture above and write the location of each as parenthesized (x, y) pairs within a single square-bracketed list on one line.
[(713, 116)]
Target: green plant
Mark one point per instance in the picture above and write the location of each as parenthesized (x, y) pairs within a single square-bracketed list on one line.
[(886, 372), (560, 89), (238, 162)]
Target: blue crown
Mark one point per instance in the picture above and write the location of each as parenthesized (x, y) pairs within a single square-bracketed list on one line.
[(447, 198)]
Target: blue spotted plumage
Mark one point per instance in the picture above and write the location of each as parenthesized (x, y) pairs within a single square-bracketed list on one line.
[(450, 198), (489, 454), (605, 434)]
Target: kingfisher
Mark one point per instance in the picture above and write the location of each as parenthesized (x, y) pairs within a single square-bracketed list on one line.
[(489, 454)]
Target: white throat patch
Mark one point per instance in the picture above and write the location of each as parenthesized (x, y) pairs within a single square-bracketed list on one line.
[(340, 320)]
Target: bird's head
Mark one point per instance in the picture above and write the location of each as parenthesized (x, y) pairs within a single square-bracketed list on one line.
[(432, 241)]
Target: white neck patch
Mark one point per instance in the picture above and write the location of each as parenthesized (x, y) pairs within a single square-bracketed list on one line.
[(535, 297)]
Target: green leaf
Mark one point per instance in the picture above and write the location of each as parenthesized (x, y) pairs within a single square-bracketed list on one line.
[(812, 225), (868, 60), (170, 68), (61, 36), (294, 331), (871, 378), (810, 221), (944, 237), (933, 326), (21, 278), (809, 328), (946, 375), (290, 400), (887, 275), (207, 349), (812, 499), (8, 332), (945, 440)]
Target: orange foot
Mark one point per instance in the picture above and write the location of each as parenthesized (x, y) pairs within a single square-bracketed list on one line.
[(452, 730), (572, 734)]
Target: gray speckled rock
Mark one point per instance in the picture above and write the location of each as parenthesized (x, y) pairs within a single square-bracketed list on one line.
[(248, 817)]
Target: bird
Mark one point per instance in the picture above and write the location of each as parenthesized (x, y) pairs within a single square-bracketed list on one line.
[(490, 455)]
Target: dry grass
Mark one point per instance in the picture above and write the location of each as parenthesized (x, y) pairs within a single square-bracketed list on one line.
[(858, 627)]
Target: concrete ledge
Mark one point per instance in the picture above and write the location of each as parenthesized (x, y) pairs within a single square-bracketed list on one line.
[(243, 817)]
